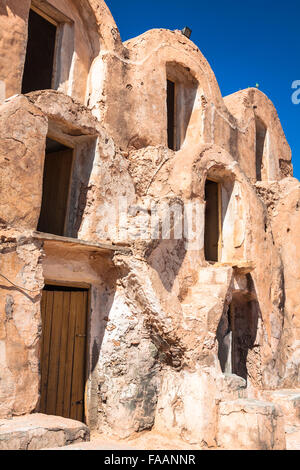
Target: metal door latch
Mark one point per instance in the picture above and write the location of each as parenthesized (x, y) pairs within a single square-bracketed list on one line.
[(80, 402)]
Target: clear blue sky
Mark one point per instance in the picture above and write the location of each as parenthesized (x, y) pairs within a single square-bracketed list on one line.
[(245, 43)]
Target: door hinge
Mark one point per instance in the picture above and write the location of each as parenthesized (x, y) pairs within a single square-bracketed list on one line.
[(81, 336)]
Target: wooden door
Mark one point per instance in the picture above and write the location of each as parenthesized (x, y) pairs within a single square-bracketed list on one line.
[(63, 352)]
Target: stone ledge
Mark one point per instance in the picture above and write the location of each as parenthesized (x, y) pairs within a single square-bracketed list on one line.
[(248, 424), (289, 401), (39, 431), (103, 246)]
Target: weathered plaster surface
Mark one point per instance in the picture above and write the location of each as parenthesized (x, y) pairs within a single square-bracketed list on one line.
[(158, 312)]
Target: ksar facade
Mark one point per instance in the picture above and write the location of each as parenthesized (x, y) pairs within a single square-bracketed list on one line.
[(131, 334)]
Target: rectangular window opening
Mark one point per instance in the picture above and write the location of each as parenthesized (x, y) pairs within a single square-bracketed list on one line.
[(40, 53), (261, 133), (56, 185), (171, 108), (212, 235)]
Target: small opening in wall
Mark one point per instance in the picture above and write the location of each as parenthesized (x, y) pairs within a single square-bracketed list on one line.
[(56, 185), (261, 133), (212, 236), (171, 114), (39, 63)]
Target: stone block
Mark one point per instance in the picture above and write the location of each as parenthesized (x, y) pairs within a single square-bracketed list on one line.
[(38, 431), (248, 424)]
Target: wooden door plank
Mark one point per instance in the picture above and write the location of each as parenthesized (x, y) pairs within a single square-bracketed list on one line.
[(78, 382), (69, 356), (80, 342), (63, 354), (54, 361), (47, 323), (43, 309)]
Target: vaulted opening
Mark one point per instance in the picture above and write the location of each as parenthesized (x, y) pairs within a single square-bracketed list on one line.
[(181, 95), (40, 53), (261, 162), (213, 214), (56, 188)]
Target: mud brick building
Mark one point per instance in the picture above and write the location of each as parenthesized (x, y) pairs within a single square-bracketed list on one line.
[(129, 334)]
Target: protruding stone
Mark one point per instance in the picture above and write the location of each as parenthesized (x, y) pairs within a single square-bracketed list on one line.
[(38, 431)]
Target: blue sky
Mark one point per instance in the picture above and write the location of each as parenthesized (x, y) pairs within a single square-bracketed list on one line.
[(245, 43)]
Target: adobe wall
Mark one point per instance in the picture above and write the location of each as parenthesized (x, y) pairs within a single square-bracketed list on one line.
[(158, 312), (139, 75), (87, 27)]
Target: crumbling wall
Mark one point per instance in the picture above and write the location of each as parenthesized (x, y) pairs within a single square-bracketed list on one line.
[(21, 282), (84, 27)]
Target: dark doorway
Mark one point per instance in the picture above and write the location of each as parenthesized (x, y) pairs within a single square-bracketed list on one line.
[(244, 320), (56, 183), (38, 69), (63, 351), (236, 335), (171, 114), (261, 132), (212, 221)]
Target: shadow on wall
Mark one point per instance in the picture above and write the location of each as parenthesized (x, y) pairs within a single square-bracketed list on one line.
[(236, 333), (82, 175), (166, 255), (106, 300), (3, 10), (167, 259), (261, 150)]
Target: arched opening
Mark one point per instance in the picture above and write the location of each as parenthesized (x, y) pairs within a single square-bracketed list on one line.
[(261, 150), (236, 335), (181, 94)]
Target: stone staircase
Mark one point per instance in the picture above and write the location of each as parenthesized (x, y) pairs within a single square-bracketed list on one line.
[(208, 293)]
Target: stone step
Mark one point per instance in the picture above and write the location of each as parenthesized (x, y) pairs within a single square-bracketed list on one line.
[(292, 437), (200, 308), (205, 295), (211, 275), (248, 424), (289, 401), (39, 431), (214, 290), (233, 387)]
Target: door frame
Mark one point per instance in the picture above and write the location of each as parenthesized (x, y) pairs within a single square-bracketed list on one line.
[(88, 287)]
